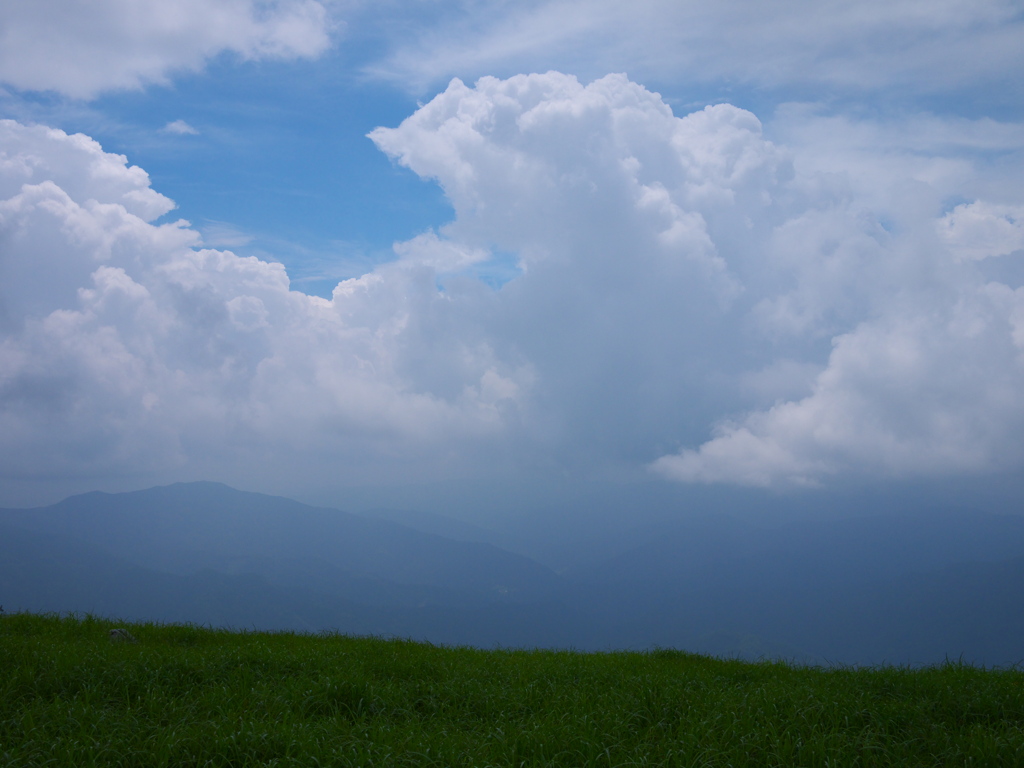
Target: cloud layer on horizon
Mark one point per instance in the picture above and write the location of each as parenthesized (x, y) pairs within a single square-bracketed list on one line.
[(691, 296)]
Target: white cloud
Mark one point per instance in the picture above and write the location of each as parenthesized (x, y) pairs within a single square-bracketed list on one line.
[(566, 175), (922, 395), (927, 352), (124, 347), (181, 128), (81, 49), (908, 44), (623, 218), (76, 164), (905, 163), (553, 170), (442, 255), (927, 348), (675, 273)]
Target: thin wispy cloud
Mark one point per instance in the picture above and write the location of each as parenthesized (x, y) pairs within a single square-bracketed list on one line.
[(859, 47), (82, 50), (220, 234), (180, 128)]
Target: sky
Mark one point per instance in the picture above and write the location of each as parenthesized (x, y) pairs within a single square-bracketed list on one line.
[(331, 248)]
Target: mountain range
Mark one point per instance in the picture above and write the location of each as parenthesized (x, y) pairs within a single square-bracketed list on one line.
[(912, 588)]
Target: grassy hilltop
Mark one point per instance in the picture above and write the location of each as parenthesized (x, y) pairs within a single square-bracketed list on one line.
[(187, 696)]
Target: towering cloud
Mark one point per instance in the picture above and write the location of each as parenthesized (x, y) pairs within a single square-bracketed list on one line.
[(686, 295), (624, 219)]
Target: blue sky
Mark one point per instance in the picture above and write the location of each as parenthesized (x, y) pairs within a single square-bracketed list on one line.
[(280, 155), (772, 246)]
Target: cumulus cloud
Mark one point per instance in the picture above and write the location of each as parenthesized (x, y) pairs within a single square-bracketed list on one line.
[(126, 346), (80, 49), (782, 254), (622, 216), (979, 230), (846, 46), (690, 296), (926, 346), (77, 165), (918, 395)]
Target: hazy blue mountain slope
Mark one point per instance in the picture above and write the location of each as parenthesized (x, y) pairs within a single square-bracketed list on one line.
[(187, 527), (901, 587), (438, 525), (42, 572), (910, 589)]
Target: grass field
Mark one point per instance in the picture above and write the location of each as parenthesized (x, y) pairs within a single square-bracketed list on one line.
[(188, 696)]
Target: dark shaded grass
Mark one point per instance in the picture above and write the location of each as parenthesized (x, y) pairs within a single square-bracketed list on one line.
[(187, 696)]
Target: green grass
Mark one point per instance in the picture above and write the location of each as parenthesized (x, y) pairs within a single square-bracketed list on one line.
[(187, 696)]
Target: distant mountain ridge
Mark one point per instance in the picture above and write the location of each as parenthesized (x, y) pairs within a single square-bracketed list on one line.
[(46, 573), (439, 525), (910, 588), (206, 552), (187, 527)]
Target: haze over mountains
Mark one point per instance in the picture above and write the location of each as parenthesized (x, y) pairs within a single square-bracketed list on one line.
[(910, 588)]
